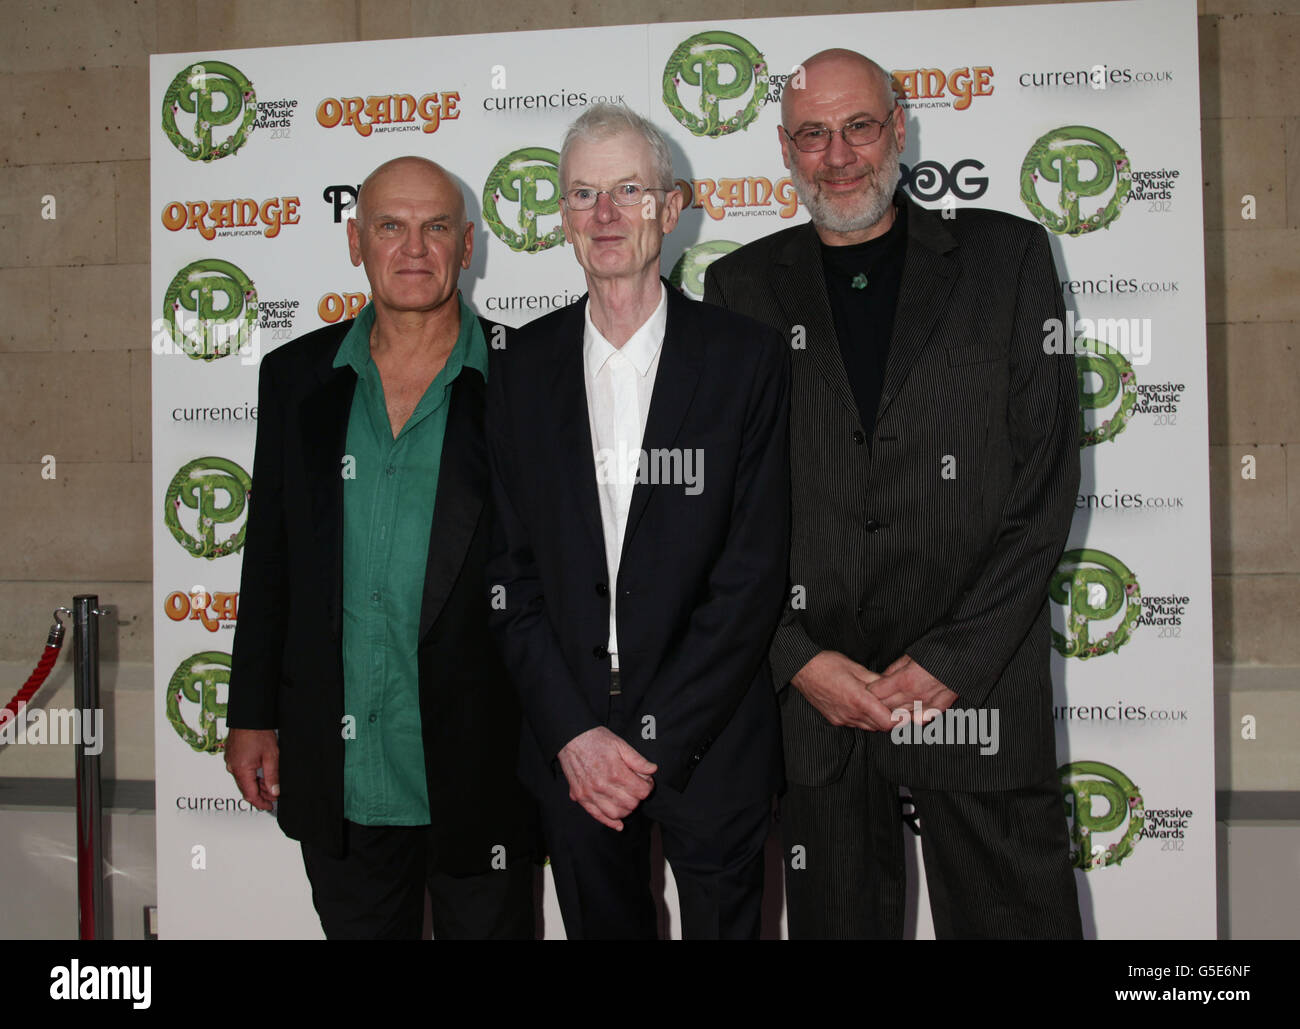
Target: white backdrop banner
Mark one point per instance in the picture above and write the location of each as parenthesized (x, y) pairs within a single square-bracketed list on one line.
[(1084, 117)]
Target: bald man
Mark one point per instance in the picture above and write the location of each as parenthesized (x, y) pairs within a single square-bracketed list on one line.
[(935, 463), (367, 700)]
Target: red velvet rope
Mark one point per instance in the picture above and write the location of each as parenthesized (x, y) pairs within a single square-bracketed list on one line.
[(34, 682)]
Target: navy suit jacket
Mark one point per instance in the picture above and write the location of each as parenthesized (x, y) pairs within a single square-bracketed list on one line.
[(701, 578)]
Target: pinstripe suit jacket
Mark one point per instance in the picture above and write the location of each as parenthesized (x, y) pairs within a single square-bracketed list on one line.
[(938, 540)]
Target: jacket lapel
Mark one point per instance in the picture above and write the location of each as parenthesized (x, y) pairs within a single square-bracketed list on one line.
[(462, 484), (799, 286), (675, 381), (568, 392), (928, 278), (324, 414)]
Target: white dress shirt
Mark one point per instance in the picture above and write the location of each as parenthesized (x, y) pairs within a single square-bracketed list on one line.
[(620, 382)]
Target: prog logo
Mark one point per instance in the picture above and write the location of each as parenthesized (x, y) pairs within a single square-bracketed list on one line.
[(1095, 587), (930, 180), (516, 178), (1057, 157), (216, 490), (1085, 785), (688, 273), (194, 91), (1118, 384), (197, 681), (212, 329), (697, 62)]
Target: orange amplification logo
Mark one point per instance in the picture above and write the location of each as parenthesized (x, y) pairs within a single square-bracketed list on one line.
[(716, 196), (333, 307), (396, 109), (269, 216), (198, 605), (934, 84)]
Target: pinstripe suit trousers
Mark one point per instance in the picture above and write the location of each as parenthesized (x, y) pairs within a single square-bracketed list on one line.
[(996, 863)]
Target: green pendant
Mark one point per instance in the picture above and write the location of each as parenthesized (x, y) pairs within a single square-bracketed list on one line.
[(859, 281)]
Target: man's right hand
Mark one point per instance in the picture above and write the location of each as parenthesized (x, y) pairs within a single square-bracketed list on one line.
[(836, 686), (606, 775), (248, 750)]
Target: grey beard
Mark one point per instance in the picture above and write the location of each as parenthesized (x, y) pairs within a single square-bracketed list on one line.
[(871, 208)]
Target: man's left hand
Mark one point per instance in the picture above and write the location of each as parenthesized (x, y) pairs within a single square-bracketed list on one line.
[(906, 682)]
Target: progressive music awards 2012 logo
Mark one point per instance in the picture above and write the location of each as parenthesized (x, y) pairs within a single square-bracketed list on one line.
[(1091, 176), (1102, 602), (528, 180), (194, 707), (726, 78), (204, 507), (210, 311), (1108, 391), (688, 273), (208, 110), (1106, 813)]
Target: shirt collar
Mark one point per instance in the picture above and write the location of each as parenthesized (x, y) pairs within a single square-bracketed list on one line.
[(355, 348), (470, 349), (641, 349)]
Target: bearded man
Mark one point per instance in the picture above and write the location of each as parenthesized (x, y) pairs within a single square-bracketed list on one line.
[(935, 461)]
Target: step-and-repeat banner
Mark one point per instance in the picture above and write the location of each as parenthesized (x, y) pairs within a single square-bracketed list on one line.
[(1084, 117)]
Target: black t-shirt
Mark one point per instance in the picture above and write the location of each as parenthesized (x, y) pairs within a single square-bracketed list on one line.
[(862, 282)]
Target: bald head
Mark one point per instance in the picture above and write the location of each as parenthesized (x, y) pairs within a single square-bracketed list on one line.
[(848, 187), (837, 70), (405, 175), (410, 233)]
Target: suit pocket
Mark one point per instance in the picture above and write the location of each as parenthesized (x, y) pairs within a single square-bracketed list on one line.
[(976, 353)]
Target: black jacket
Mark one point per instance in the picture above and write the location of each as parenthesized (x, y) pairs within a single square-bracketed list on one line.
[(287, 666), (938, 539), (701, 578)]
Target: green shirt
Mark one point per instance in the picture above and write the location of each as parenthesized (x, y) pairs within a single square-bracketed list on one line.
[(389, 491)]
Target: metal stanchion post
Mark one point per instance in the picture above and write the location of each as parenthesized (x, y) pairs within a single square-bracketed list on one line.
[(90, 816)]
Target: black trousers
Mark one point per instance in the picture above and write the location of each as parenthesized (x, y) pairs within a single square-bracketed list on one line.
[(376, 890), (996, 863), (602, 876)]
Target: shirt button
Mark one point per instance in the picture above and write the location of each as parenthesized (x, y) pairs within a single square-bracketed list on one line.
[(602, 590), (859, 437), (390, 470), (373, 718), (600, 653), (872, 525), (374, 595)]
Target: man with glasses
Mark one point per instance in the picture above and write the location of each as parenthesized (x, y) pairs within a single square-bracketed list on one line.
[(935, 459), (639, 453)]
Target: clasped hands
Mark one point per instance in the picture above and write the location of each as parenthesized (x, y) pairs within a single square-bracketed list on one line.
[(609, 778), (847, 693), (606, 775)]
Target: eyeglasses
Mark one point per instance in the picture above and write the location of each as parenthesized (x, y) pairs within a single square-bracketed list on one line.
[(860, 132), (625, 194)]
